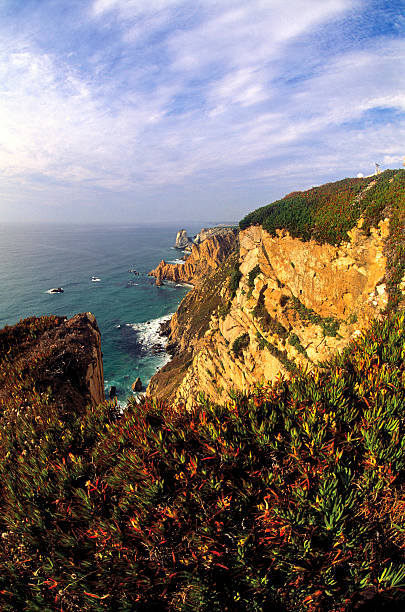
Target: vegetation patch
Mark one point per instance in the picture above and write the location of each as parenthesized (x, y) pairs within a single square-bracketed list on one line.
[(326, 213), (234, 277), (296, 343), (280, 355), (239, 344), (267, 322), (224, 309), (251, 278), (329, 325)]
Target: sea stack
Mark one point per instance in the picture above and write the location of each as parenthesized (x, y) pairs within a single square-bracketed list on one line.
[(182, 240)]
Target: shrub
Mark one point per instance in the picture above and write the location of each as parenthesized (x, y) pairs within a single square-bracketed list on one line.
[(234, 280), (267, 322), (296, 343), (239, 344)]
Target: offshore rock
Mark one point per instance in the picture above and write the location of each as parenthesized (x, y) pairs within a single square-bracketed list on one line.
[(182, 240), (204, 258), (113, 392), (137, 385)]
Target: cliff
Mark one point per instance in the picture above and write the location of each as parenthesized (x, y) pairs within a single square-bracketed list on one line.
[(204, 257), (188, 327), (51, 357), (297, 299)]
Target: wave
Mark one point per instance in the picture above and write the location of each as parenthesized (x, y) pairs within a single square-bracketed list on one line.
[(149, 335), (177, 261)]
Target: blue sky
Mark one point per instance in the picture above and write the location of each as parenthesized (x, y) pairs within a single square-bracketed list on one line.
[(182, 110)]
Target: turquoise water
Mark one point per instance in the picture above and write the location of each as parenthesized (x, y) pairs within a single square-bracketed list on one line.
[(128, 307)]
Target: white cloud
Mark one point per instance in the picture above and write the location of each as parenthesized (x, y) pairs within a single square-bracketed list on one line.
[(131, 8)]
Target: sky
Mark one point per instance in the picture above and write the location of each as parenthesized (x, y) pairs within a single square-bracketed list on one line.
[(126, 111)]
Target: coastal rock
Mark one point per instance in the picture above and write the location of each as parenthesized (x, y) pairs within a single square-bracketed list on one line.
[(204, 258), (137, 385), (65, 359), (113, 392), (208, 232), (182, 240)]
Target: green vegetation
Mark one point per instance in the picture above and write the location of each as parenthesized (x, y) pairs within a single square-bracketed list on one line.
[(285, 499), (267, 322), (224, 309), (353, 318), (234, 281), (275, 351), (251, 278), (296, 343), (240, 343), (327, 212), (330, 325)]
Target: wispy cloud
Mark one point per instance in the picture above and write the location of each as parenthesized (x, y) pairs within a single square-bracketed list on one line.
[(175, 94)]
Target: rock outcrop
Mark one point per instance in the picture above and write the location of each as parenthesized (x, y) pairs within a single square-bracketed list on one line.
[(208, 232), (64, 359), (204, 258), (137, 385), (182, 240), (296, 304)]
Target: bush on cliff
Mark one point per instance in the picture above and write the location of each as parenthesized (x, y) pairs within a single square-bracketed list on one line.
[(286, 499)]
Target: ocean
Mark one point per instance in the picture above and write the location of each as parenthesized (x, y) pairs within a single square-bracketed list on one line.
[(129, 307)]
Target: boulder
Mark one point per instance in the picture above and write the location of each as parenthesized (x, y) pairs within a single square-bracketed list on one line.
[(112, 392), (137, 385)]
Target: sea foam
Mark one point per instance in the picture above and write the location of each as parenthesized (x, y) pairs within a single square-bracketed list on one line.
[(149, 335)]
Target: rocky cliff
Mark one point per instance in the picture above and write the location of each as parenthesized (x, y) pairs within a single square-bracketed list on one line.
[(52, 356), (296, 303), (204, 257)]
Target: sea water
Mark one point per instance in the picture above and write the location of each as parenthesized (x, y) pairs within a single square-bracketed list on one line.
[(128, 305)]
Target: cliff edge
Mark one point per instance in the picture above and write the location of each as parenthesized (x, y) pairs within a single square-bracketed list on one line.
[(51, 357)]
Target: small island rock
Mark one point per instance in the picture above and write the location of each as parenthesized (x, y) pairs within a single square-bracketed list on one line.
[(182, 240), (113, 392), (137, 385)]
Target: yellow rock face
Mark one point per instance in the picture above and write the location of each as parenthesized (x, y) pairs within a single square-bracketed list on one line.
[(304, 287), (203, 258)]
